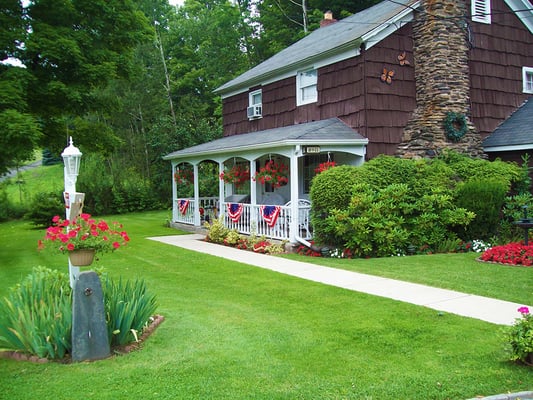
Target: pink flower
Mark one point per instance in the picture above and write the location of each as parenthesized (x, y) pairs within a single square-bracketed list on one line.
[(70, 247), (523, 310), (116, 245)]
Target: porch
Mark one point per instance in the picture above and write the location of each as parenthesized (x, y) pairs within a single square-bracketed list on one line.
[(263, 177)]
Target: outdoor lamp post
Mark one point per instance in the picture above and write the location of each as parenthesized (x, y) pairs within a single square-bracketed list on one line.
[(71, 158)]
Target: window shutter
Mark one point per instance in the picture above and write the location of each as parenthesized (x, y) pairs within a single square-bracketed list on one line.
[(481, 11)]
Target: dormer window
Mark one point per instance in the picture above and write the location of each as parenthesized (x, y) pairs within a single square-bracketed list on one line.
[(255, 104), (306, 87), (481, 11), (527, 79)]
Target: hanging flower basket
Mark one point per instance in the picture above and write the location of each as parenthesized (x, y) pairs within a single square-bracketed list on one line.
[(238, 175), (325, 166), (82, 258), (275, 173), (184, 176)]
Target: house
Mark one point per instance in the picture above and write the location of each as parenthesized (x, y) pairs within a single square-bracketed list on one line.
[(404, 77)]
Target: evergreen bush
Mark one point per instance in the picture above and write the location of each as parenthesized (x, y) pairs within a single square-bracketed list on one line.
[(331, 190), (44, 206), (485, 197)]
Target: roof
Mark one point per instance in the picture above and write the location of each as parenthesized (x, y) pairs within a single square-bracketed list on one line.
[(328, 131), (515, 133), (346, 34)]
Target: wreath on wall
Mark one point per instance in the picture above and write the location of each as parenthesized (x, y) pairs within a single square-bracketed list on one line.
[(455, 126)]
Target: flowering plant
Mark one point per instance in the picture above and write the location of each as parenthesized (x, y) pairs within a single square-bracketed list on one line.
[(184, 176), (325, 166), (512, 253), (238, 175), (519, 337), (275, 173), (84, 233)]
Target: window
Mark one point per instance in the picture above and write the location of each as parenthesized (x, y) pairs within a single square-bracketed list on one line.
[(481, 11), (310, 164), (306, 87), (255, 105), (527, 79)]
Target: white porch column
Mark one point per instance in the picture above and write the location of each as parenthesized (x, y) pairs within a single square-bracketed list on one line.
[(196, 196), (221, 187), (253, 194), (294, 179), (174, 194)]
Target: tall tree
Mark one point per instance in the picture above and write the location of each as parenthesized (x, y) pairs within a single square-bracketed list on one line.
[(73, 47)]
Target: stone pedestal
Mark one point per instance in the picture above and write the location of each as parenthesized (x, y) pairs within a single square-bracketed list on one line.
[(89, 329)]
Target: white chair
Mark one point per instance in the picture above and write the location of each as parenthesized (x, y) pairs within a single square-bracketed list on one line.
[(304, 210)]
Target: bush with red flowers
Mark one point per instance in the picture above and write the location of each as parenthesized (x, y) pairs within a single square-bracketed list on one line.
[(84, 233), (512, 254)]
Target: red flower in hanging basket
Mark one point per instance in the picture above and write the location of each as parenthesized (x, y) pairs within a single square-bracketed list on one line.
[(184, 176), (325, 166), (238, 175), (275, 173)]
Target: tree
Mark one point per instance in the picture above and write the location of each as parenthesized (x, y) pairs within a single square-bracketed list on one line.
[(75, 46)]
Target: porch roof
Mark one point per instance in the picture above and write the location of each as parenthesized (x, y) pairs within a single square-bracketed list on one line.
[(331, 131)]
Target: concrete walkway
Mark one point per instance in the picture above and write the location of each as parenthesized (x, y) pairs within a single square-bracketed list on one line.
[(467, 305)]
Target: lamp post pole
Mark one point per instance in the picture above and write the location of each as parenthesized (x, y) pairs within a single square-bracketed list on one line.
[(71, 158)]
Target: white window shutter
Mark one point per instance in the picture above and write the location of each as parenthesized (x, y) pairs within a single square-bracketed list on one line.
[(481, 11)]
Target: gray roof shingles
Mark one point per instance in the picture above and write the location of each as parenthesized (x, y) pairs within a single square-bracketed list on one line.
[(517, 130), (321, 42), (331, 130)]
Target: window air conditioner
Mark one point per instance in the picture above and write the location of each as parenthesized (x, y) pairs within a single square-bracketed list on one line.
[(254, 111)]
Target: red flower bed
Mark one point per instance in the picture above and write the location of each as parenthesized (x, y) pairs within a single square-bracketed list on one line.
[(512, 254)]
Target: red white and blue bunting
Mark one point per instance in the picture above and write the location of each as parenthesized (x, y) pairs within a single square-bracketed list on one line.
[(182, 205), (270, 214), (235, 211)]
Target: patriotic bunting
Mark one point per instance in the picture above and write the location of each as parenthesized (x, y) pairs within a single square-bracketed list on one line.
[(183, 204), (270, 214), (235, 211)]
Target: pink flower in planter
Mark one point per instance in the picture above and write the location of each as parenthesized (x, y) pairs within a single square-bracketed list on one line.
[(523, 310)]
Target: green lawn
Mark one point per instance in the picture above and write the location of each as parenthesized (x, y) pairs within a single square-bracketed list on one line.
[(233, 331), (21, 189)]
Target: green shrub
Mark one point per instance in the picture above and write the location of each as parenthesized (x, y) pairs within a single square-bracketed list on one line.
[(36, 316), (390, 203), (384, 222), (467, 168), (134, 194), (9, 210), (44, 206), (513, 210), (485, 197), (129, 307), (330, 190), (216, 231), (97, 182)]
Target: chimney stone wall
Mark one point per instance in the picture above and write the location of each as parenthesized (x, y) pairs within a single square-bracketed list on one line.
[(442, 81)]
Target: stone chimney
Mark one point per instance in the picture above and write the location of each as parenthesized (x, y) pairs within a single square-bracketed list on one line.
[(328, 19), (440, 51)]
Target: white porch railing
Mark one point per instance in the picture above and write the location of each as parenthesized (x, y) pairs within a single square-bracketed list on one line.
[(251, 221), (208, 210)]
